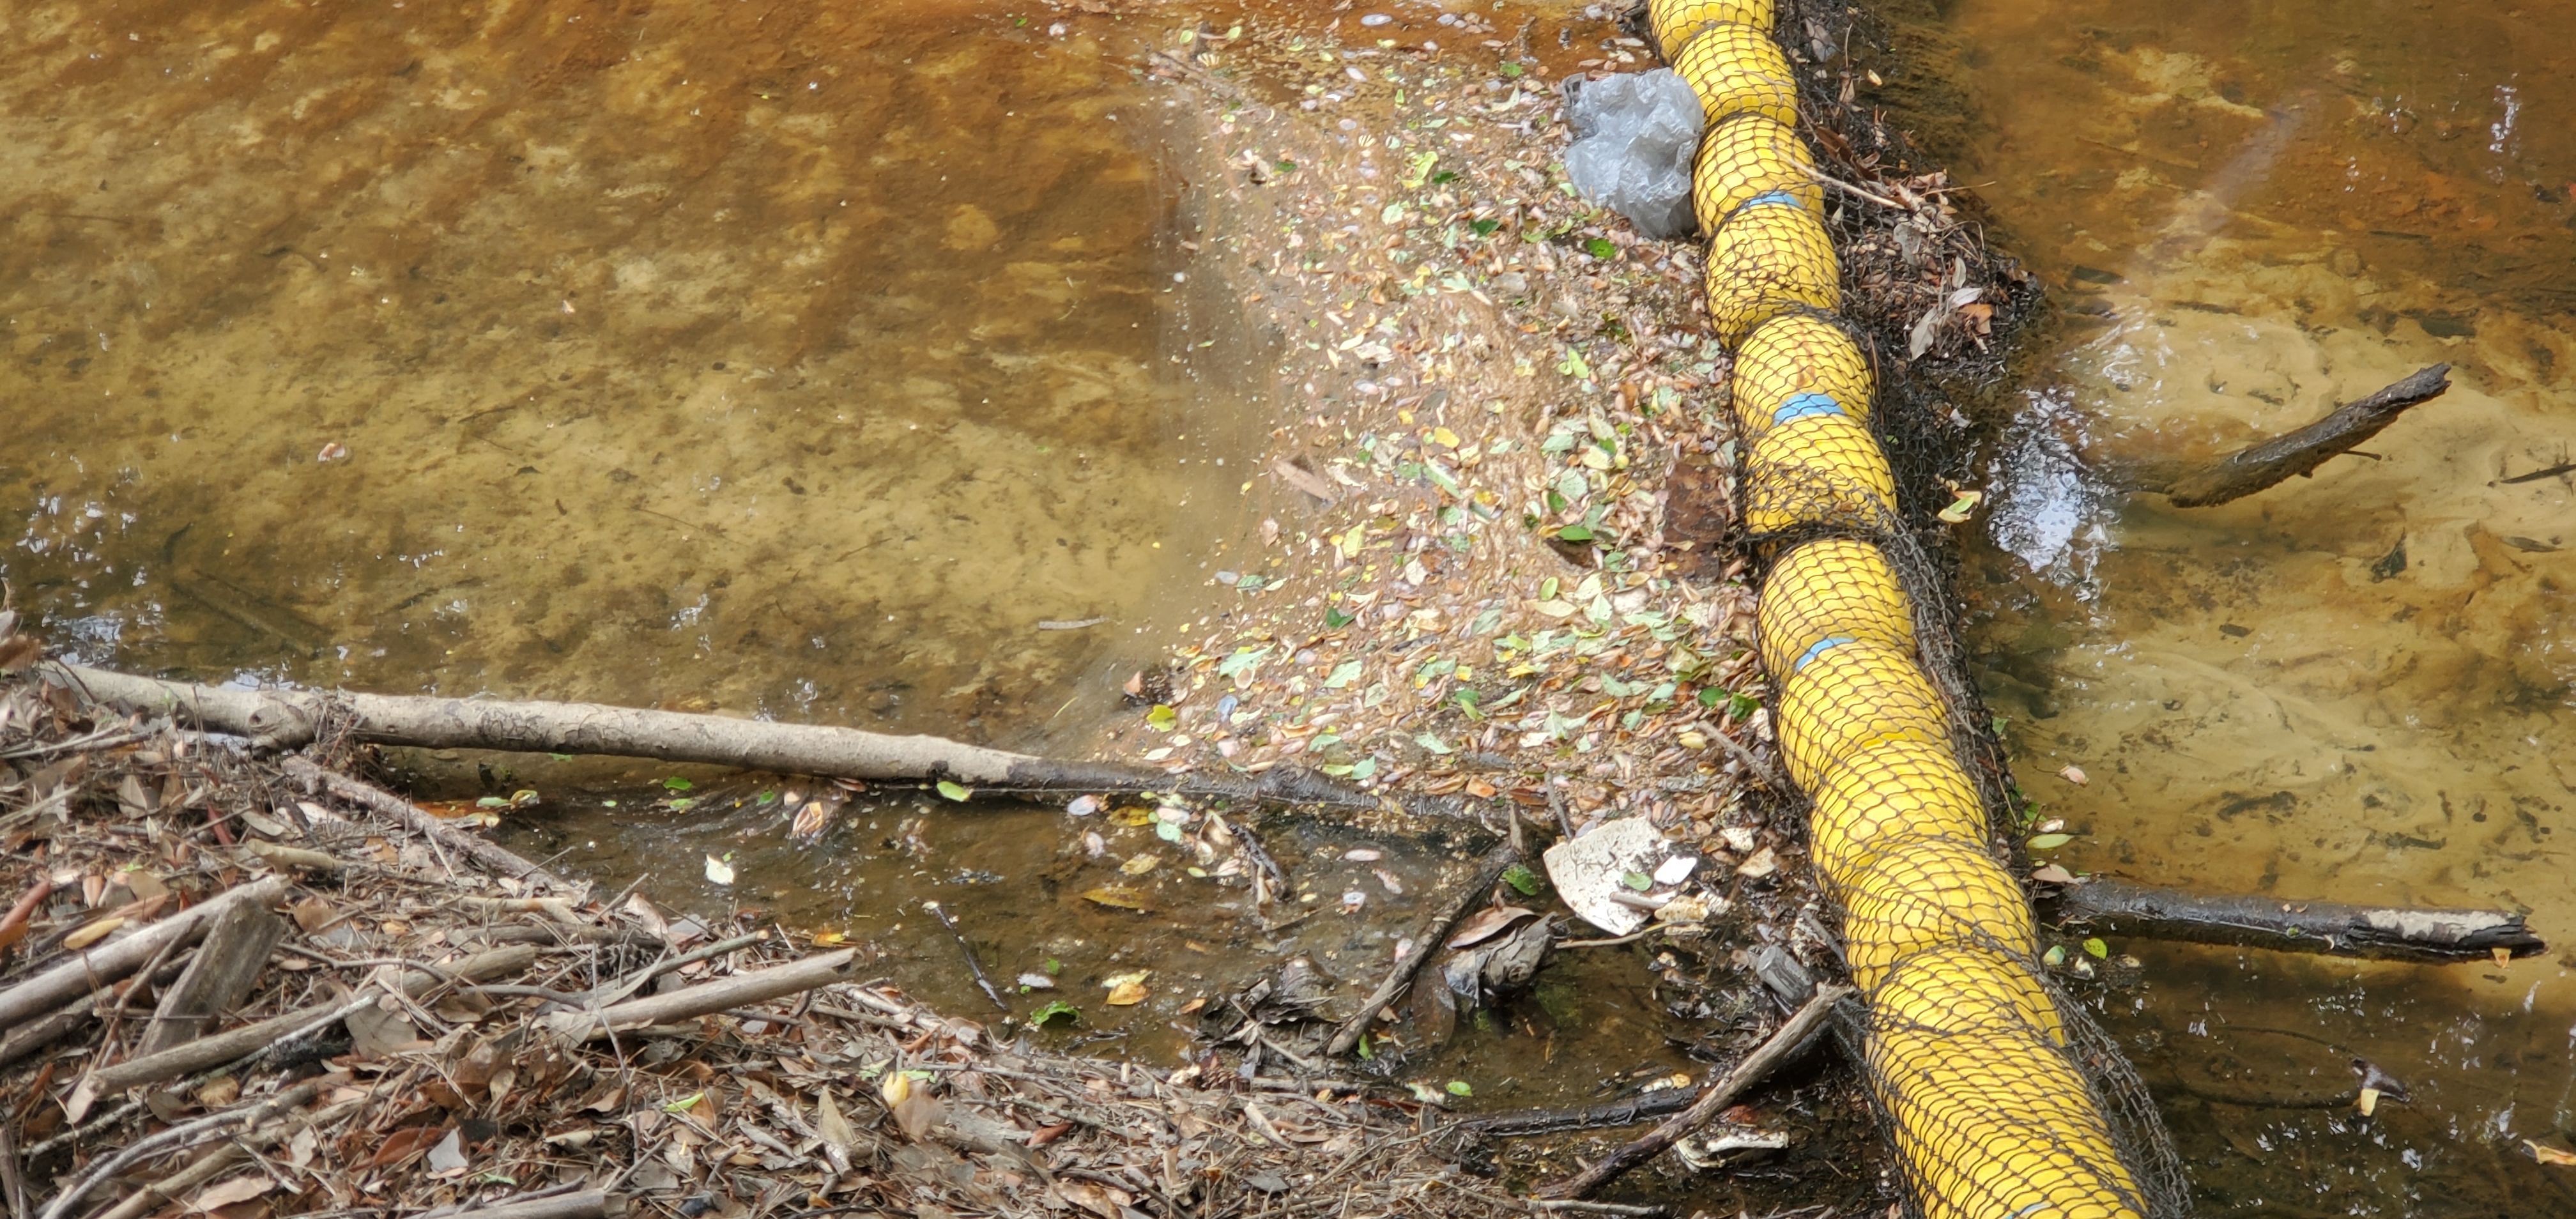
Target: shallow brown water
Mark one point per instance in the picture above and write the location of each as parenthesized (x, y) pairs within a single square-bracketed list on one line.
[(2353, 687), (793, 362)]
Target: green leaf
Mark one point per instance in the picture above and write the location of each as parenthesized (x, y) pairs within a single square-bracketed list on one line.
[(1600, 247), (683, 1104), (953, 791), (491, 802), (1055, 1010), (1510, 69), (1432, 743), (2056, 955), (560, 757), (1161, 718), (1574, 366), (1458, 1087), (677, 784), (680, 805), (1054, 967), (1444, 178), (2050, 842), (1711, 696), (1367, 1051), (1344, 674), (1522, 880), (1286, 166), (1167, 831), (1364, 768), (1335, 619), (1638, 881), (2100, 950), (1484, 228), (1244, 660), (1574, 533)]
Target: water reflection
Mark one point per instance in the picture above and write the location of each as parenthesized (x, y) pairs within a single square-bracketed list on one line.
[(798, 364), (2354, 686)]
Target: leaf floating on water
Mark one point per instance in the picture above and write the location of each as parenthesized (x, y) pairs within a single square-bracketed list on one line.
[(1056, 1011), (2050, 842), (2052, 874), (1963, 507), (719, 871), (1083, 806), (1162, 717), (1458, 1087), (1127, 993), (1140, 865), (2073, 774), (954, 791), (2100, 950), (1037, 981), (1118, 896), (677, 784), (2551, 1155), (1487, 923)]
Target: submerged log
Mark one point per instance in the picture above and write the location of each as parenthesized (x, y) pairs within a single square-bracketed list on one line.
[(289, 719), (2252, 469), (2386, 933)]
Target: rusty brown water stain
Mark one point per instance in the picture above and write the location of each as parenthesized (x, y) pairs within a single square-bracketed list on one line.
[(2353, 687)]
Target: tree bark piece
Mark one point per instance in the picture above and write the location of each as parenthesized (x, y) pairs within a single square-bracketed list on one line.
[(285, 719), (412, 817), (588, 1204), (1426, 944), (1765, 1058), (706, 998), (2252, 469), (2386, 933), (105, 963), (236, 949)]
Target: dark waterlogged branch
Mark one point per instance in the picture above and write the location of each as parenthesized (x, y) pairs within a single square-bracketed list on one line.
[(2249, 470), (2387, 933), (1776, 1050), (289, 719)]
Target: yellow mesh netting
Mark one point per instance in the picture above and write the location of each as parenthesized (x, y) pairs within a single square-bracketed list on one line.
[(1676, 22), (1844, 697), (1766, 259), (1830, 588), (1737, 69), (1823, 469), (1744, 157), (1967, 1053), (1792, 355)]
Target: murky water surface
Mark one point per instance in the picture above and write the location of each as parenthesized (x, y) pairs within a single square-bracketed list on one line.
[(2352, 687), (792, 363)]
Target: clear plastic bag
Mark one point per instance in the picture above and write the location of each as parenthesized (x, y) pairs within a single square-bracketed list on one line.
[(1634, 137)]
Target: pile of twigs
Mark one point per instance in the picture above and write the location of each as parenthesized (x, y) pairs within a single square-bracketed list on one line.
[(243, 986)]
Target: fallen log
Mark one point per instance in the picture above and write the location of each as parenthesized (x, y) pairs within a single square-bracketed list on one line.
[(707, 998), (2256, 467), (95, 967), (2385, 933), (289, 719)]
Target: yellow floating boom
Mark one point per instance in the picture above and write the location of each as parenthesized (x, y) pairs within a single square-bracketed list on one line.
[(1965, 1052)]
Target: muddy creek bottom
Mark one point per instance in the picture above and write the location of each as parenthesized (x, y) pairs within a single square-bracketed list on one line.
[(1060, 910)]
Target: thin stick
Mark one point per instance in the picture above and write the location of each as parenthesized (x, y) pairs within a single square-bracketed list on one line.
[(706, 998), (185, 1134), (418, 820), (972, 965), (104, 964), (1761, 1062), (1496, 862)]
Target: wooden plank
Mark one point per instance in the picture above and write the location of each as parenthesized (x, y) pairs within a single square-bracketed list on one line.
[(236, 949)]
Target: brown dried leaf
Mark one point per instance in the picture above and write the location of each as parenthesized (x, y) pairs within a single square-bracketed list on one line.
[(829, 1123), (917, 1112), (1487, 923), (225, 1193), (399, 1147)]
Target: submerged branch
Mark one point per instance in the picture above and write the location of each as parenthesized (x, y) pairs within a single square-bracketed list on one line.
[(288, 719), (2253, 469), (2385, 933)]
